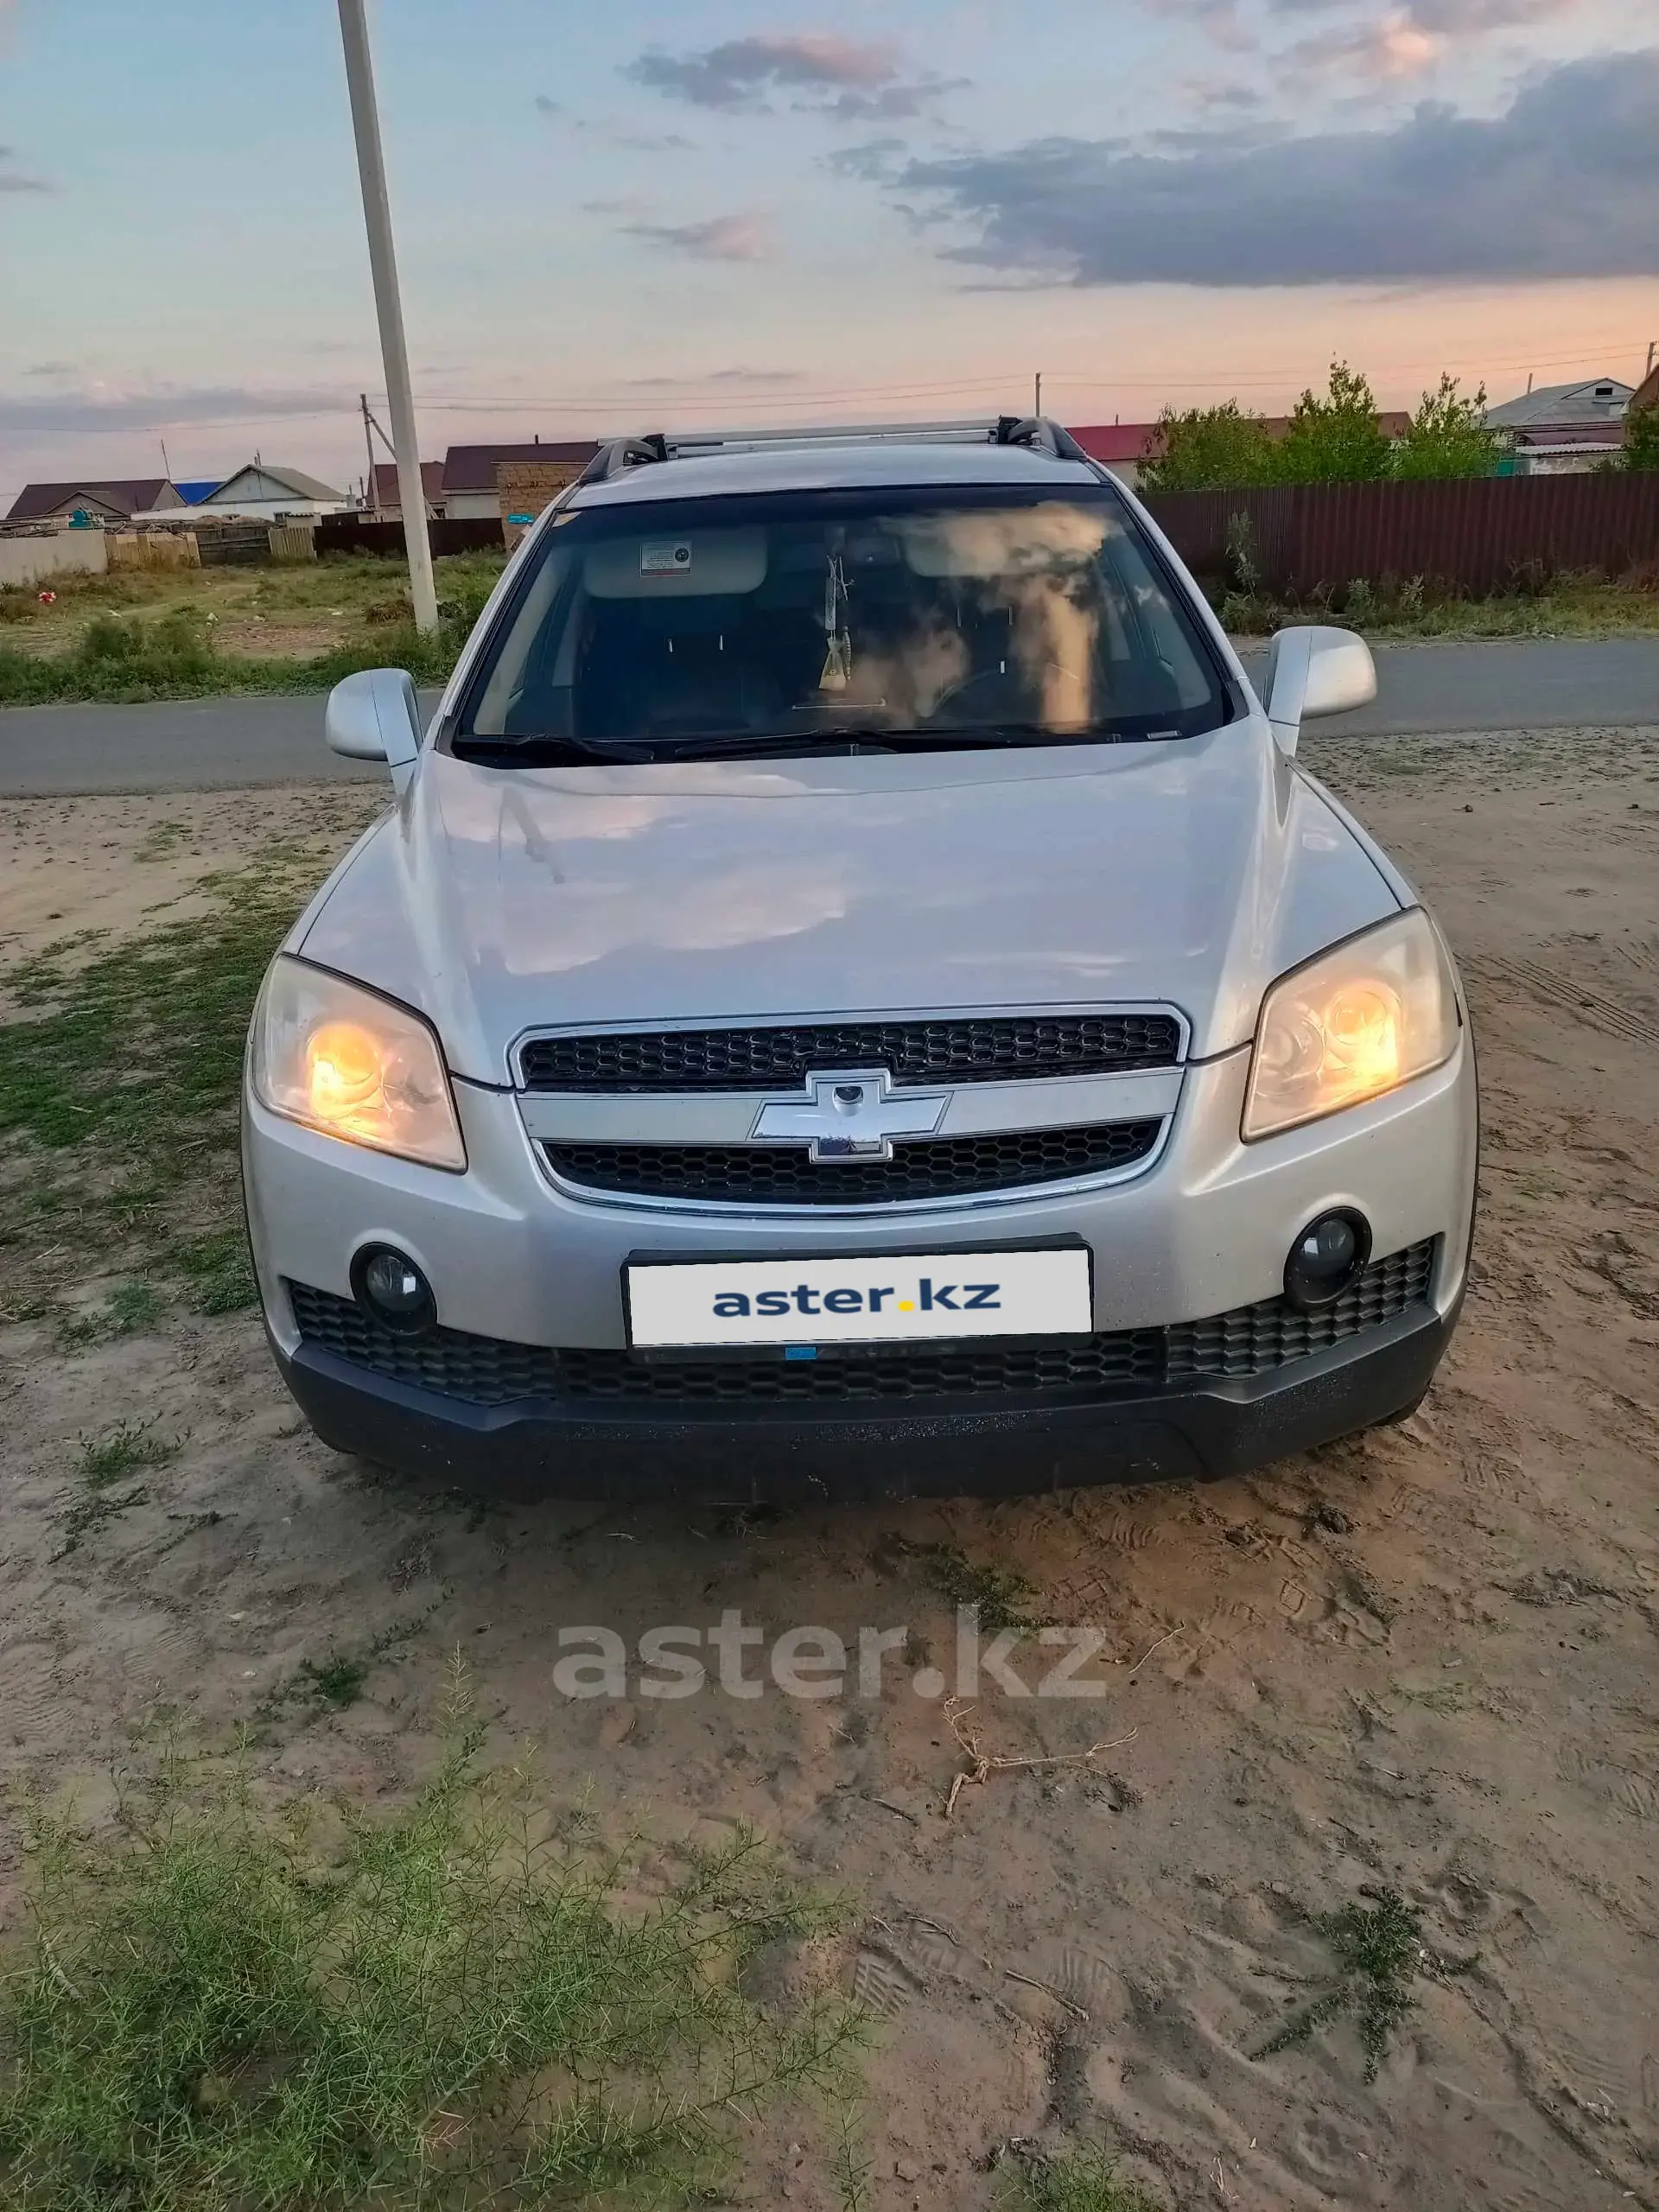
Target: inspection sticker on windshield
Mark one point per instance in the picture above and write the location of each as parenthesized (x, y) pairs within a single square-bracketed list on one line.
[(665, 556), (888, 1298)]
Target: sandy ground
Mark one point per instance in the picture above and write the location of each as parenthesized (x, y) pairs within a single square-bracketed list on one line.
[(1424, 1658)]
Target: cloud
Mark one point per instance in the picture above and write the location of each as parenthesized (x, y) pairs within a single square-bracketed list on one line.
[(850, 81), (878, 161), (1454, 18), (747, 377), (1220, 22), (159, 407), (13, 180), (1394, 47), (722, 238), (649, 142), (1564, 183), (737, 74), (612, 134)]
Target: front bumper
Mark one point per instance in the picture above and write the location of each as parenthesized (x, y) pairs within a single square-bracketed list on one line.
[(856, 1451), (1202, 1231)]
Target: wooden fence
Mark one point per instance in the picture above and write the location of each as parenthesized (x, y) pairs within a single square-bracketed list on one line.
[(1487, 535)]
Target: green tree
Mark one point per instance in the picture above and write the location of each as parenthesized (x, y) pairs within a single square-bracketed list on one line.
[(1209, 447), (1641, 439), (1337, 439), (1448, 436)]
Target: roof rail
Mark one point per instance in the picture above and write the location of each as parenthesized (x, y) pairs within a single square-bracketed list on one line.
[(1034, 431)]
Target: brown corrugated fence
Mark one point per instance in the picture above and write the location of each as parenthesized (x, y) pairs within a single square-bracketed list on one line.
[(360, 534), (1485, 535)]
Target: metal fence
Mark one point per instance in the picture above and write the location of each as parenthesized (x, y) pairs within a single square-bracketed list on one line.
[(357, 534), (1487, 535)]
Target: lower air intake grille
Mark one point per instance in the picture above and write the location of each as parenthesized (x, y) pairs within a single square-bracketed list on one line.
[(786, 1175), (1250, 1340)]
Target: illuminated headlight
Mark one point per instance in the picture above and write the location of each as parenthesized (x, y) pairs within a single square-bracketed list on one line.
[(1361, 1018), (333, 1056)]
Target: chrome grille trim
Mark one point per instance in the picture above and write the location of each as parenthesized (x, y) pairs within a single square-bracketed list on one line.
[(729, 1117)]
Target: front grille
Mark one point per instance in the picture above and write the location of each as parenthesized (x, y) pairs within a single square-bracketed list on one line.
[(1250, 1340), (786, 1175), (992, 1049)]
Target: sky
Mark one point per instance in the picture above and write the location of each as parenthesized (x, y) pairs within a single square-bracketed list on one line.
[(638, 215)]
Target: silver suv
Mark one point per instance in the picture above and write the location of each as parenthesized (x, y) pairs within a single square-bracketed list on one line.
[(855, 996)]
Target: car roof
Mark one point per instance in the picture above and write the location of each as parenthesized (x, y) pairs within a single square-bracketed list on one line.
[(823, 467)]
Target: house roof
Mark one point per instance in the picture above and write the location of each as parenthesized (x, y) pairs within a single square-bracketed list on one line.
[(1144, 441), (472, 468), (291, 480), (1592, 399), (385, 490), (196, 489), (1119, 441), (1542, 437), (1647, 392), (126, 495)]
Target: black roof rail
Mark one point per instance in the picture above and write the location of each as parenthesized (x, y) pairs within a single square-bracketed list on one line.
[(619, 453)]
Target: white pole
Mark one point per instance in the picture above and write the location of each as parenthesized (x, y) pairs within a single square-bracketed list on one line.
[(394, 347)]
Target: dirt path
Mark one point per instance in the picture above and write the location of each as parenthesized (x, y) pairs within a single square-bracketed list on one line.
[(1423, 1661)]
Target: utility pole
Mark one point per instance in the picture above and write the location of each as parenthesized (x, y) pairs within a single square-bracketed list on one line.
[(371, 482), (1038, 407), (394, 347)]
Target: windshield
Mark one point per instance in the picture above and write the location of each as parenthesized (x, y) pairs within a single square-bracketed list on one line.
[(795, 622)]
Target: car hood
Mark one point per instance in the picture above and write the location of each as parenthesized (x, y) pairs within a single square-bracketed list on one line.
[(1187, 873)]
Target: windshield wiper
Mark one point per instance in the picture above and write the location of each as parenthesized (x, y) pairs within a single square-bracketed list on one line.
[(539, 752), (845, 740)]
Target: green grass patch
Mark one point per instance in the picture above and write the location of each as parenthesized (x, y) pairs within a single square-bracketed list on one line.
[(223, 2008), (107, 1459), (127, 663), (131, 1308), (218, 1271), (999, 1593), (131, 638), (1085, 2179), (1565, 607), (1379, 1952), (119, 1082)]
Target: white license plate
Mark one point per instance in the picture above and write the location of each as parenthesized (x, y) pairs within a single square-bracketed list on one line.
[(885, 1298)]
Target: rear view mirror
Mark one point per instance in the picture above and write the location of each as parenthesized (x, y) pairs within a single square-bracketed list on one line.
[(375, 716), (1316, 669)]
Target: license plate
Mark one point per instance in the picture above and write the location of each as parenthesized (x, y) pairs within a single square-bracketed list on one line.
[(888, 1299)]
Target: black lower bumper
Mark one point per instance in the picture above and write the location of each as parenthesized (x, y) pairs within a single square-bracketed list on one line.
[(866, 1452)]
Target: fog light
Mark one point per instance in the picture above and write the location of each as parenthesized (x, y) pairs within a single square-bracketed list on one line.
[(391, 1287), (1326, 1259)]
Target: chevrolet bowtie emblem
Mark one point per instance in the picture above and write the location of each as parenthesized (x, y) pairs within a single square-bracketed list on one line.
[(854, 1115)]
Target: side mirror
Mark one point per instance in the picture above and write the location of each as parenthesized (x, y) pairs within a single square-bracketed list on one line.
[(1314, 669), (375, 716)]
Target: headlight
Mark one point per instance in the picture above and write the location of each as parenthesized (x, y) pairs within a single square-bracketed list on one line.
[(1355, 1022), (333, 1056)]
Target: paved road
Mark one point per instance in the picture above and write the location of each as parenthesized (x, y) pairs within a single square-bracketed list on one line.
[(212, 744)]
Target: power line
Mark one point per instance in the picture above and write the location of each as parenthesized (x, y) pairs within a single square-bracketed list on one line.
[(622, 402)]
